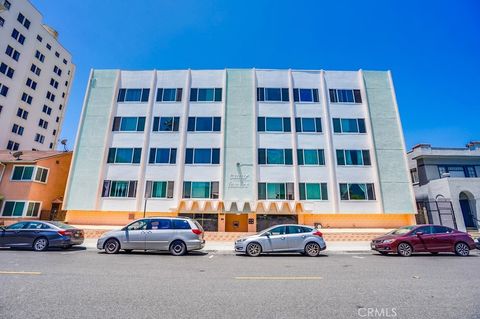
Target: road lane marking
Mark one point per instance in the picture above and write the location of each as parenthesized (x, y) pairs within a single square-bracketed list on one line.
[(20, 273), (278, 278), (359, 257)]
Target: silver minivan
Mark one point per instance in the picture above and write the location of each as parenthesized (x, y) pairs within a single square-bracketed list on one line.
[(175, 234)]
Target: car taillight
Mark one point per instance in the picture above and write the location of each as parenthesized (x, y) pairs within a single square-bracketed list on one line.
[(64, 232), (196, 231), (318, 233)]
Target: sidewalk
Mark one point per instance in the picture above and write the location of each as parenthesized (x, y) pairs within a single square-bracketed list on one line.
[(227, 246)]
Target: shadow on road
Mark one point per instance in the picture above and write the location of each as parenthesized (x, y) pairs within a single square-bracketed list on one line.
[(156, 253), (280, 255)]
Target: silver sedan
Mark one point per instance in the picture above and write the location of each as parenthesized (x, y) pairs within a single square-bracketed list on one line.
[(283, 238)]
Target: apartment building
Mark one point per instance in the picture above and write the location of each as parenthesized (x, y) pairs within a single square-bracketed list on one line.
[(36, 74), (446, 182), (241, 149)]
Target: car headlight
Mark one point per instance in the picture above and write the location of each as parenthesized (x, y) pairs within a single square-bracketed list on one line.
[(388, 241), (241, 240)]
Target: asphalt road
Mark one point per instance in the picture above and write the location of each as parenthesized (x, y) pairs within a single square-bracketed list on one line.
[(89, 284)]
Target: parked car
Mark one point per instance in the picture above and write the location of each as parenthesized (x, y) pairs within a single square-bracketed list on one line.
[(283, 238), (424, 238), (40, 235), (477, 243), (178, 235)]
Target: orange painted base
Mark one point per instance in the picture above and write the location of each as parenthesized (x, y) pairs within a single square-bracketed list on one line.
[(79, 217)]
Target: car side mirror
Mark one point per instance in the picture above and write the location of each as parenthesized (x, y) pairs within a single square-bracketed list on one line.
[(419, 233), (2, 227), (268, 234)]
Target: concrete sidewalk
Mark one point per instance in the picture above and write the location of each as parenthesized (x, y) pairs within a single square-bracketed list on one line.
[(227, 246)]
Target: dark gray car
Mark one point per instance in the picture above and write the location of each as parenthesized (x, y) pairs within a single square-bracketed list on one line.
[(175, 234), (40, 235), (283, 238)]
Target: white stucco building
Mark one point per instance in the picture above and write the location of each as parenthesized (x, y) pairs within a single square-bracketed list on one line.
[(241, 149), (447, 184), (36, 74)]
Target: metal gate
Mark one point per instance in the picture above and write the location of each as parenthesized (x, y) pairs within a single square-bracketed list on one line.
[(436, 212)]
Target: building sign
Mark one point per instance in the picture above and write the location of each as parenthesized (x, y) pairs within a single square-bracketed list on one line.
[(239, 181)]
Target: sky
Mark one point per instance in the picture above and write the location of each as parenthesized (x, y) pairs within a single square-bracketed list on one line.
[(431, 47)]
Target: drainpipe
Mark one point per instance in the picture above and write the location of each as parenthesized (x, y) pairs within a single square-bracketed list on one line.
[(2, 171)]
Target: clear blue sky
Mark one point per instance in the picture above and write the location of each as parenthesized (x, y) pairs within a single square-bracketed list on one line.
[(432, 48)]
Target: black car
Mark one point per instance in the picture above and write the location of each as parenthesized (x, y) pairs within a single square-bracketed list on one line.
[(40, 235)]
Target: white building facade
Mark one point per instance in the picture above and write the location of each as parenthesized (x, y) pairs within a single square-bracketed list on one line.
[(241, 149), (446, 182), (36, 74)]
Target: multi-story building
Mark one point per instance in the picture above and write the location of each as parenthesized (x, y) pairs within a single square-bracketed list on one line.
[(36, 74), (446, 182), (241, 149), (32, 184)]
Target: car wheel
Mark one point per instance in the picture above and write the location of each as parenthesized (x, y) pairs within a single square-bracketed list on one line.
[(40, 244), (128, 251), (178, 248), (254, 249), (383, 252), (404, 249), (312, 249), (112, 246), (462, 249)]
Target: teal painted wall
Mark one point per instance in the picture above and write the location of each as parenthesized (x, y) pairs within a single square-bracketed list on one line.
[(83, 186), (393, 172), (239, 130)]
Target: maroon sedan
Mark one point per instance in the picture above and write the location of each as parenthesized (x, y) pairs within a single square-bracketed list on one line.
[(424, 238)]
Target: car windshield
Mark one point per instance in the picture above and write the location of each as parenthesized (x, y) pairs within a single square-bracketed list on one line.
[(401, 230), (61, 225)]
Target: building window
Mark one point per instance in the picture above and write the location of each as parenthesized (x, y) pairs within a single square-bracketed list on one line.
[(22, 113), (57, 70), (206, 190), (49, 47), (456, 171), (11, 52), (169, 95), (39, 38), (202, 156), (353, 158), (124, 155), (21, 208), (2, 21), (310, 157), (308, 124), (162, 156), (24, 21), (17, 129), (272, 156), (26, 98), (119, 189), (204, 124), (50, 96), (39, 138), (159, 189), (6, 4), (275, 191), (31, 84), (57, 54), (133, 95), (166, 124), (35, 69), (29, 173), (205, 95), (8, 71), (18, 36), (42, 123), (305, 95), (272, 94), (47, 110), (41, 174), (65, 61), (414, 175), (54, 83), (345, 96), (273, 124), (12, 146), (39, 56), (348, 125), (3, 89), (128, 124), (54, 133), (357, 192), (313, 191)]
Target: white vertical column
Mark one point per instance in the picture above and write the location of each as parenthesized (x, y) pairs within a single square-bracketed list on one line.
[(255, 138), (293, 136), (373, 153), (178, 186), (330, 149), (222, 143), (141, 184), (108, 136)]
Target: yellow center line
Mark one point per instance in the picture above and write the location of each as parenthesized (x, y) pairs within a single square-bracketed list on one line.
[(278, 278), (20, 273)]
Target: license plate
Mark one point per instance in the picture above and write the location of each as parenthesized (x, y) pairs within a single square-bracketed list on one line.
[(373, 246), (77, 235)]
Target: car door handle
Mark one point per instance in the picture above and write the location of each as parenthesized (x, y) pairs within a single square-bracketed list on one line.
[(303, 236), (282, 238)]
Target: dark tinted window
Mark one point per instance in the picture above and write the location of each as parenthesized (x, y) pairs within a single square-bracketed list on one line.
[(138, 225), (160, 224), (280, 230), (17, 225), (425, 230), (180, 224), (34, 225), (441, 230), (294, 230), (307, 230)]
